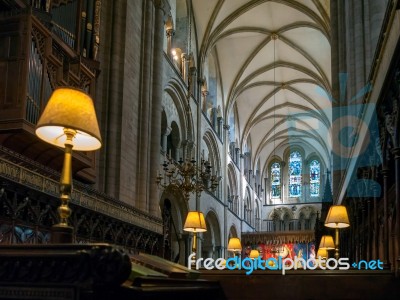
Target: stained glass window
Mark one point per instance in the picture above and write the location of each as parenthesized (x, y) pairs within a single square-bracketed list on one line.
[(315, 171), (275, 180), (295, 167)]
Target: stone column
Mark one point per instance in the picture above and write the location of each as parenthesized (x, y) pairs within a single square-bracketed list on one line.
[(161, 10), (219, 251), (237, 157), (219, 126), (185, 67), (204, 94), (169, 33), (225, 183), (193, 80), (142, 196), (165, 135)]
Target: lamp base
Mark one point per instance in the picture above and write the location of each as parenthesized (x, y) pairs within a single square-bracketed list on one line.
[(62, 234)]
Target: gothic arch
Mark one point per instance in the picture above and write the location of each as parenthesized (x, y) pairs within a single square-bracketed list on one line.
[(173, 224), (211, 246), (176, 107)]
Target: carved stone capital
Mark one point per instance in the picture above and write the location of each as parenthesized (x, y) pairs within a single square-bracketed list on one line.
[(167, 130), (169, 32), (163, 5), (204, 93), (396, 152)]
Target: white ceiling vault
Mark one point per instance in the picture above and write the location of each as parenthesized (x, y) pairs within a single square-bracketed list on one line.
[(274, 60)]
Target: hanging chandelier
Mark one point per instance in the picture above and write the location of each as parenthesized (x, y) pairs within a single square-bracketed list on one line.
[(187, 176)]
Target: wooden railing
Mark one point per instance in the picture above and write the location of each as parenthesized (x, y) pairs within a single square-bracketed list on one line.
[(34, 62)]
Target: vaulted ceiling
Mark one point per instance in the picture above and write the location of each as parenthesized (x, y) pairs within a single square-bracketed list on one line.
[(274, 60)]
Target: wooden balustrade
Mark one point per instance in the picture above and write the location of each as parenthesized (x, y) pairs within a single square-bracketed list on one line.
[(34, 60)]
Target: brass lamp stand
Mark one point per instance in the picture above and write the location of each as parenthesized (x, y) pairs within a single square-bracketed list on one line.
[(195, 222), (68, 121)]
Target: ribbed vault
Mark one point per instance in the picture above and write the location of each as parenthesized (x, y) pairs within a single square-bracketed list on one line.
[(274, 61)]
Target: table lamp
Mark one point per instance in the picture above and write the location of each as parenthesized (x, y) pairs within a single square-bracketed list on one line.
[(195, 223), (337, 218), (68, 121), (254, 254), (234, 245)]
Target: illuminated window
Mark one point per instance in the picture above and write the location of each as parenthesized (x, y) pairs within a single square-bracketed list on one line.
[(295, 167), (315, 175), (275, 181)]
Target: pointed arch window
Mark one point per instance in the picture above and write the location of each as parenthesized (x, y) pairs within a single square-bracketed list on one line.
[(295, 168), (275, 180), (315, 178)]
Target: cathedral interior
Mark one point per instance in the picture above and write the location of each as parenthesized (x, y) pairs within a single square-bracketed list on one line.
[(135, 133)]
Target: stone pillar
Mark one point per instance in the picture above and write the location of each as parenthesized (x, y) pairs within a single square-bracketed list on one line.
[(219, 126), (185, 67), (142, 196), (161, 10), (204, 94), (237, 154), (219, 251), (165, 135), (169, 33), (193, 80), (186, 248)]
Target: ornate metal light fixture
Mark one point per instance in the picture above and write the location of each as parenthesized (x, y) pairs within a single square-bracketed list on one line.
[(187, 176)]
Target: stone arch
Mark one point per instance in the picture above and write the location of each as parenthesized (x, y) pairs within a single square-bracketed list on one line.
[(211, 246), (213, 152), (213, 155), (176, 106), (233, 231), (174, 210), (174, 141)]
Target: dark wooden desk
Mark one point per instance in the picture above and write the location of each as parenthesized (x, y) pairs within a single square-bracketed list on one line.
[(92, 272)]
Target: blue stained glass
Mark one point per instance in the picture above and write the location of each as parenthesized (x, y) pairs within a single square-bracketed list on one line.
[(315, 175), (295, 168), (275, 180)]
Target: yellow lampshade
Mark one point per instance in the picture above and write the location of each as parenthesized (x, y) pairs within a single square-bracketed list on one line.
[(254, 254), (234, 245), (327, 242), (337, 217), (195, 222), (322, 252), (70, 108)]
